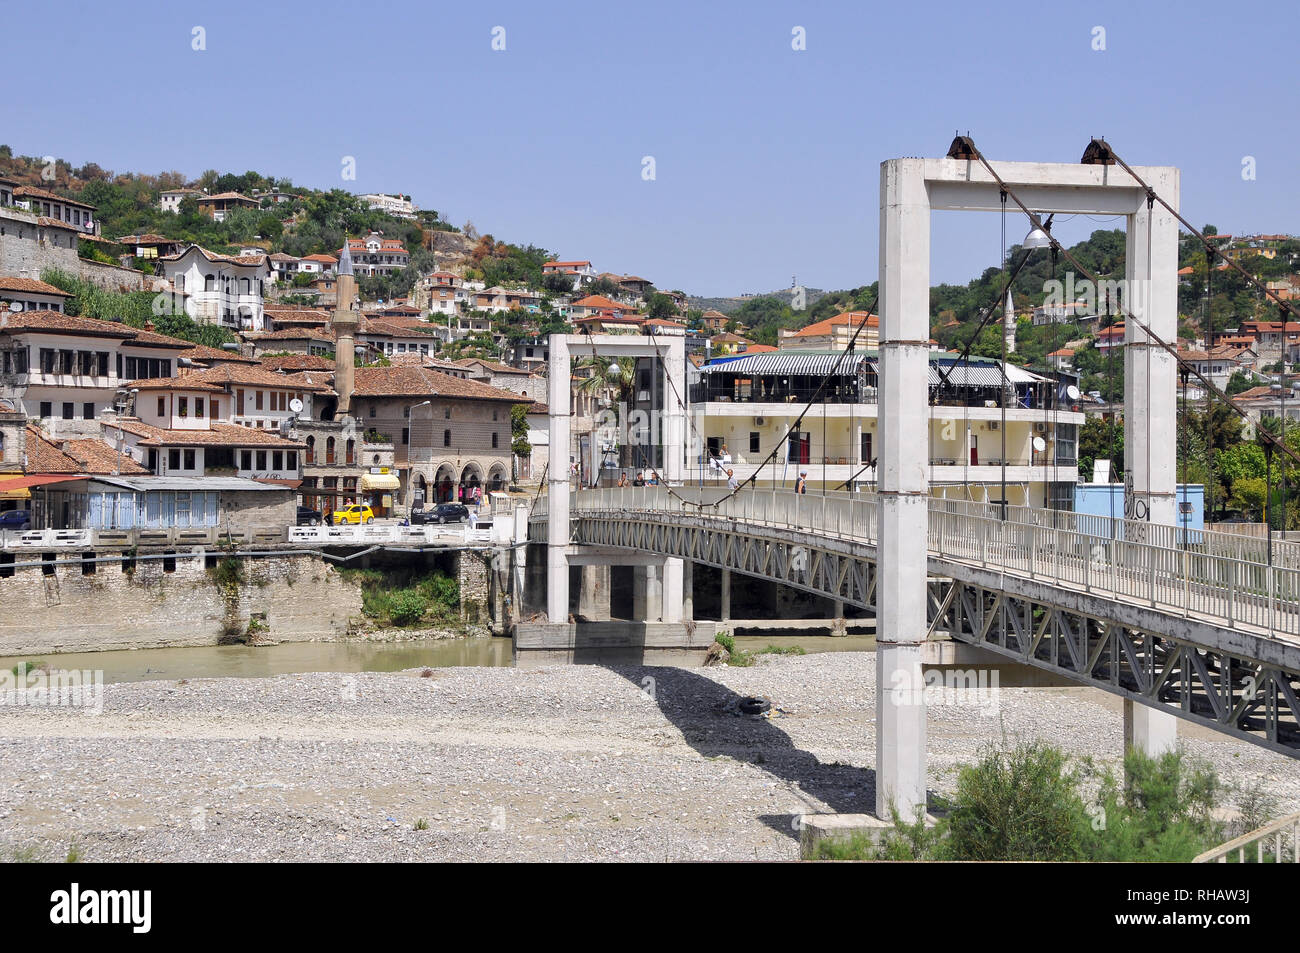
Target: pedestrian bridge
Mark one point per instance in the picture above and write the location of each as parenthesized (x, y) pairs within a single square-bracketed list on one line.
[(1199, 625)]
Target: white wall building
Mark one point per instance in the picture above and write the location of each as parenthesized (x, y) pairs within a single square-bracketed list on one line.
[(219, 289)]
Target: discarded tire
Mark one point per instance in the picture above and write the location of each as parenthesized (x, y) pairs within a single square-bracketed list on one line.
[(753, 706)]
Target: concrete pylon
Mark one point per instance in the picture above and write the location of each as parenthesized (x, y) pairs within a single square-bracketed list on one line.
[(671, 590), (557, 484), (903, 487), (1151, 402)]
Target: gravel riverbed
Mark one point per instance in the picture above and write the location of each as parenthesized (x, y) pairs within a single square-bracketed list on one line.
[(502, 764)]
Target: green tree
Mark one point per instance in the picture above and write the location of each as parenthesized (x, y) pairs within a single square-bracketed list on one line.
[(1239, 382), (1018, 803), (661, 306)]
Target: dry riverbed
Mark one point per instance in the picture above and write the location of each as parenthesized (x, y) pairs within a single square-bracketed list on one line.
[(563, 763)]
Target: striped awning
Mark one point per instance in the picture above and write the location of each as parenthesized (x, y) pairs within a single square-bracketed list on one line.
[(979, 375), (774, 363)]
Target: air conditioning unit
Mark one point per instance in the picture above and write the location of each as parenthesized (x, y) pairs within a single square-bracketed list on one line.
[(994, 425), (1040, 427), (759, 421)]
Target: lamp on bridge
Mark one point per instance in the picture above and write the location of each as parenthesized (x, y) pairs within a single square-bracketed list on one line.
[(1037, 238)]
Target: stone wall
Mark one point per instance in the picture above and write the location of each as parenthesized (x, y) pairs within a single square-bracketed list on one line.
[(27, 249), (111, 277), (265, 509), (475, 591), (155, 605)]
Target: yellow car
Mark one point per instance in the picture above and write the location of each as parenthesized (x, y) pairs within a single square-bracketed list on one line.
[(356, 513)]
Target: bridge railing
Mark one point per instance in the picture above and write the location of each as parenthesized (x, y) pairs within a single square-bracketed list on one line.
[(1277, 842), (1138, 562)]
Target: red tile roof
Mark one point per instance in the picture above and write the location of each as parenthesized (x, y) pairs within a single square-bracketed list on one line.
[(28, 191), (56, 322), (32, 286), (854, 318), (45, 457), (599, 301), (422, 382), (201, 352), (217, 435), (299, 362), (95, 456)]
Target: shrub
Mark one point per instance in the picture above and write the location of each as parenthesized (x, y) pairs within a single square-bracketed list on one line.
[(407, 607), (1018, 803)]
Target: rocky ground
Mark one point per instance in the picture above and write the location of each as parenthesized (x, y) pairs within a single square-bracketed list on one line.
[(563, 763)]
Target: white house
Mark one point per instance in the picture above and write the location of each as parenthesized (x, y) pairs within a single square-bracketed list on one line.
[(580, 271), (58, 367), (219, 289), (170, 200), (48, 205), (377, 255), (399, 206)]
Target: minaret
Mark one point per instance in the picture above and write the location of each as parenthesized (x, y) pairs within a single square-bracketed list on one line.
[(345, 323)]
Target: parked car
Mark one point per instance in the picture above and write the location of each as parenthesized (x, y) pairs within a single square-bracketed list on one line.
[(441, 513), (356, 513), (15, 519), (309, 517)]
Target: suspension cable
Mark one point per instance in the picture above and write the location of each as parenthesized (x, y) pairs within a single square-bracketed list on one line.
[(753, 477), (1211, 388)]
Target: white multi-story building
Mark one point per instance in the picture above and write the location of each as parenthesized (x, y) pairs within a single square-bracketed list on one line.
[(744, 408), (580, 271), (170, 200), (219, 289), (48, 205), (399, 206), (377, 255), (65, 370)]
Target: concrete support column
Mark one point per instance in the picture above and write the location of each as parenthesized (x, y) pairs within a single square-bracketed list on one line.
[(593, 597), (671, 591), (1148, 730), (647, 594), (904, 486), (725, 599), (674, 414), (839, 627), (688, 590), (1150, 401), (519, 562), (557, 484)]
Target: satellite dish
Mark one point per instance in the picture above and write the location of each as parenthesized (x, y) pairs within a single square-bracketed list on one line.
[(295, 405), (1072, 392), (15, 306), (1040, 444)]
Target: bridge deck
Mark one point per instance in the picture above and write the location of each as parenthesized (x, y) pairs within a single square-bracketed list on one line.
[(1200, 624)]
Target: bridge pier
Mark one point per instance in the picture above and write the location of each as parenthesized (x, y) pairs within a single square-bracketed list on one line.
[(725, 596), (1147, 730), (688, 590), (593, 596), (670, 590)]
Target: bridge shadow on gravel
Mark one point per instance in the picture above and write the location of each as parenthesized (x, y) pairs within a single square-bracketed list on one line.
[(704, 712)]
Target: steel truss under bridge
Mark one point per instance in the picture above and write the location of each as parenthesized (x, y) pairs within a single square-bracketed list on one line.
[(1138, 654)]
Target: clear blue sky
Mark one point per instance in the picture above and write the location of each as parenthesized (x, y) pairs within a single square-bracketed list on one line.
[(767, 159)]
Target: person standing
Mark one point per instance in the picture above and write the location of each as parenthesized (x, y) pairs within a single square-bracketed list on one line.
[(732, 483), (801, 484)]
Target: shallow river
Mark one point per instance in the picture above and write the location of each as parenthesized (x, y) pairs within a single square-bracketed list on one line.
[(239, 661)]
